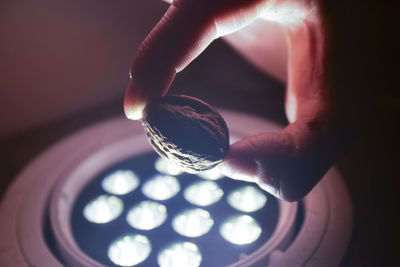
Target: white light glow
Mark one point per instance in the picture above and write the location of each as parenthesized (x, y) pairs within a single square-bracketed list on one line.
[(129, 250), (161, 187), (147, 215), (193, 222), (166, 167), (240, 229), (203, 193), (247, 199), (180, 254), (120, 182), (211, 174), (103, 209)]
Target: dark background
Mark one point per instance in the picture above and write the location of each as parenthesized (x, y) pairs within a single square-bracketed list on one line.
[(80, 55)]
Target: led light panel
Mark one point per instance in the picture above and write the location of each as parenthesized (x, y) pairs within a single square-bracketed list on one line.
[(240, 230), (129, 250), (211, 174), (159, 219), (203, 193), (120, 182), (180, 254), (147, 215), (193, 222), (103, 209), (247, 199), (161, 187), (166, 167)]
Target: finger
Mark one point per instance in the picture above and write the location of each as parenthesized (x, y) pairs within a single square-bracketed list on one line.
[(185, 30), (177, 39), (287, 164)]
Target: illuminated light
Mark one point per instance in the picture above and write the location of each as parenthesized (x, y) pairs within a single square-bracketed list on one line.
[(161, 187), (129, 250), (103, 209), (240, 229), (120, 182), (203, 193), (247, 199), (193, 222), (180, 254), (211, 174), (166, 167), (147, 215)]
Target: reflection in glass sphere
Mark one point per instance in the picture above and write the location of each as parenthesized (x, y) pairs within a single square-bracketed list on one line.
[(240, 229), (129, 250), (211, 174), (147, 215), (103, 209), (161, 187), (167, 167), (192, 222), (247, 199), (120, 182), (180, 254), (203, 193)]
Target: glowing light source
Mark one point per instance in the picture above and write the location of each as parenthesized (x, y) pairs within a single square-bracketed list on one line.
[(193, 222), (166, 167), (203, 193), (247, 199), (120, 182), (211, 174), (147, 215), (129, 250), (161, 187), (103, 209), (240, 229), (180, 254)]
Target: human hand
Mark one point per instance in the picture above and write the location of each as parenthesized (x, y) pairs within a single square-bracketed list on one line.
[(286, 164)]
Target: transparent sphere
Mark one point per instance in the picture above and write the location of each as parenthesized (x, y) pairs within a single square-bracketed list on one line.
[(240, 229), (166, 167), (129, 250), (247, 199), (203, 193), (103, 209), (161, 187), (193, 222), (211, 174), (180, 254), (147, 215), (120, 182)]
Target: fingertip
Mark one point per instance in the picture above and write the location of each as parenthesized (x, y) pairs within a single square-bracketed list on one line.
[(133, 104), (238, 170)]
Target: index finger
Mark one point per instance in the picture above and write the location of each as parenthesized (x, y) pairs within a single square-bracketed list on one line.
[(179, 37)]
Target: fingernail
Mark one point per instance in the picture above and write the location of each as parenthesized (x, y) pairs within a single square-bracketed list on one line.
[(239, 170), (133, 106)]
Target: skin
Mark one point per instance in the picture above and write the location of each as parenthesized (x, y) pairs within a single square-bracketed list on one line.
[(321, 112)]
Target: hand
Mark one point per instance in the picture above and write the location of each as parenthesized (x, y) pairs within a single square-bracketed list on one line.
[(287, 164)]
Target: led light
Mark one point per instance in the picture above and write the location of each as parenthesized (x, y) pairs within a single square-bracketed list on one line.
[(203, 193), (180, 254), (161, 187), (120, 182), (211, 174), (129, 250), (166, 167), (147, 215), (103, 209), (240, 229), (247, 199), (193, 222)]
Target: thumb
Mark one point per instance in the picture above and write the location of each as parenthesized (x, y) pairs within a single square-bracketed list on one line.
[(287, 164)]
